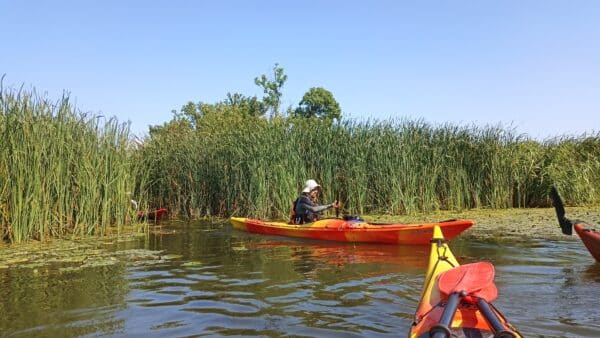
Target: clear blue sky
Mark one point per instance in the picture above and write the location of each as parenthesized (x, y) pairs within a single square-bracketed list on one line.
[(534, 65)]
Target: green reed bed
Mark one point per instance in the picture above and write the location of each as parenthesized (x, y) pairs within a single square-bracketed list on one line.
[(67, 173), (228, 163), (61, 172)]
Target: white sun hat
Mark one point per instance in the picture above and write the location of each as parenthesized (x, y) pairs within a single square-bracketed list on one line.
[(310, 185)]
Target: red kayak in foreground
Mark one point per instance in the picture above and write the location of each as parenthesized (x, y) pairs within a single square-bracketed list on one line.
[(589, 237), (354, 230)]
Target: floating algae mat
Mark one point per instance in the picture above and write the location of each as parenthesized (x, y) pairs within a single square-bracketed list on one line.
[(502, 225), (75, 255)]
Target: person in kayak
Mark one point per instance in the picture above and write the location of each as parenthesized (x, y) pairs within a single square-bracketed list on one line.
[(306, 208)]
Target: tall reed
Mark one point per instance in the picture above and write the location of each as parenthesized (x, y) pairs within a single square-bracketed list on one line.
[(233, 164), (61, 172)]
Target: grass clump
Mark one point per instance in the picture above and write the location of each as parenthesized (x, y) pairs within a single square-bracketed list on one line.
[(62, 172)]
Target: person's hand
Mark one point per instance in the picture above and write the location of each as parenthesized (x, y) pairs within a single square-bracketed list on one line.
[(336, 204)]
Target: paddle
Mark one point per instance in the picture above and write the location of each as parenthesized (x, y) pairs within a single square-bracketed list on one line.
[(472, 283), (566, 224), (473, 280)]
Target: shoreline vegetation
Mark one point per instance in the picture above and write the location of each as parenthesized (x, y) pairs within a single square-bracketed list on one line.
[(65, 174), (62, 172)]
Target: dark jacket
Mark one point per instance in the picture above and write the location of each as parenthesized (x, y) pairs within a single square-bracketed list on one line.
[(306, 211)]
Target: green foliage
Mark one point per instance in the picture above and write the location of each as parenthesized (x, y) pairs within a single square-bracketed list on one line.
[(234, 104), (318, 103), (255, 167), (61, 172), (574, 165), (245, 106), (272, 88), (170, 160), (66, 173)]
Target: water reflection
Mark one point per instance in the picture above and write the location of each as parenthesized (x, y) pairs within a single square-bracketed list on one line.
[(49, 303), (225, 282)]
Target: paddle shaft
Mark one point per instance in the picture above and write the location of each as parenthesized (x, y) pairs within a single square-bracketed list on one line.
[(450, 309), (499, 329), (441, 330)]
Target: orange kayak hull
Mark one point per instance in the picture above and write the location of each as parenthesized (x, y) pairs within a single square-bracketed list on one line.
[(354, 231)]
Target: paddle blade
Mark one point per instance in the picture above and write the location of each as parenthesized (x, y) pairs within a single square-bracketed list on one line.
[(476, 280), (565, 224)]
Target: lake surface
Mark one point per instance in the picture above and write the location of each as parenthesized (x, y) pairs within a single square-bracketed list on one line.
[(222, 282)]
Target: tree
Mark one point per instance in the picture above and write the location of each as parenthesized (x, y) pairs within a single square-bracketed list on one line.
[(191, 112), (318, 102), (247, 106), (272, 88), (236, 104)]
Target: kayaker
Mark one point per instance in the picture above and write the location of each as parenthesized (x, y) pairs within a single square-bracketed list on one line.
[(306, 208)]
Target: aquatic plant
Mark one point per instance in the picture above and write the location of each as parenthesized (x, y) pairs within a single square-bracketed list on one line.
[(62, 172), (228, 163)]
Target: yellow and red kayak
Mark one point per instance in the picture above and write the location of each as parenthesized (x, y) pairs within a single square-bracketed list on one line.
[(354, 230), (456, 300)]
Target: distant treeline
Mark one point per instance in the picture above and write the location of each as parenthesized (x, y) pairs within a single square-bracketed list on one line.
[(67, 173)]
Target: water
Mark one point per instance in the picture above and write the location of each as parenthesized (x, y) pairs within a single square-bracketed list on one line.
[(230, 283)]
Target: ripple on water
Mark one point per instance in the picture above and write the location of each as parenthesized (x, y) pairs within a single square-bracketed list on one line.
[(277, 287), (226, 306), (242, 282), (291, 297)]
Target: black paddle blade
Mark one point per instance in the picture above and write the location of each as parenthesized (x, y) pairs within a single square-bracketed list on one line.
[(565, 224)]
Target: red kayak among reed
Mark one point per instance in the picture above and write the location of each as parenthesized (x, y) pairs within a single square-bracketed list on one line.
[(154, 215)]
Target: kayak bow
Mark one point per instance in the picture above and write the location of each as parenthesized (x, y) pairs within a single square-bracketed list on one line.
[(455, 300)]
